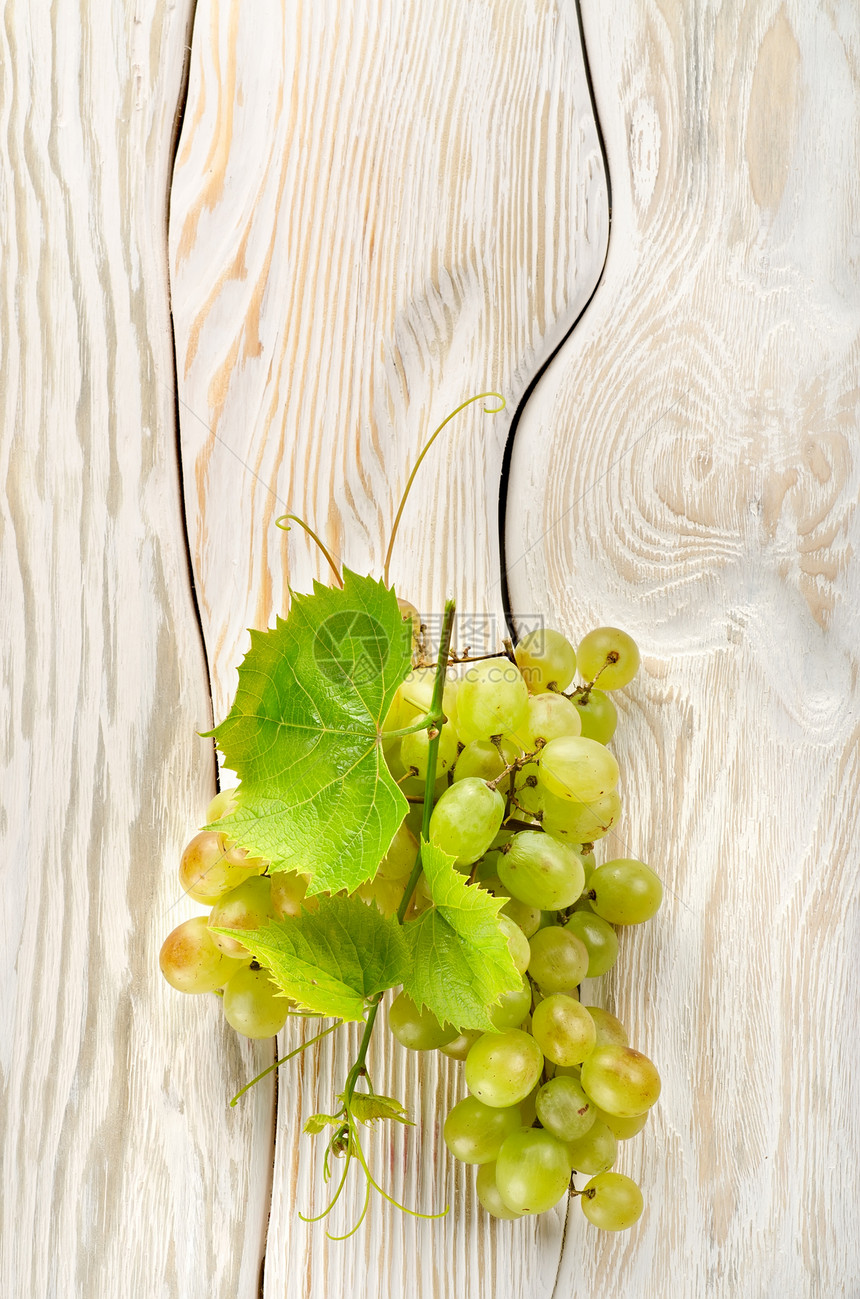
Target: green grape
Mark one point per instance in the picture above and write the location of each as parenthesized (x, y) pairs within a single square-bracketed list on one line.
[(610, 655), (518, 944), (600, 939), (524, 917), (488, 1194), (492, 700), (385, 894), (625, 891), (594, 1152), (419, 1030), (466, 820), (252, 1004), (532, 1171), (462, 1044), (527, 792), (481, 758), (415, 751), (502, 1068), (546, 659), (541, 871), (417, 694), (611, 1201), (620, 1080), (610, 1030), (623, 1129), (223, 802), (598, 715), (190, 961), (474, 1132), (512, 1007), (398, 861), (413, 786), (528, 1107), (288, 889), (563, 1029), (209, 868), (589, 864), (248, 906), (578, 823), (577, 769), (549, 718), (559, 959), (564, 1109)]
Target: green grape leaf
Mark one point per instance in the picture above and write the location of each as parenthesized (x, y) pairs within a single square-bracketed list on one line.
[(367, 1108), (332, 960), (460, 961), (303, 735), (317, 1122)]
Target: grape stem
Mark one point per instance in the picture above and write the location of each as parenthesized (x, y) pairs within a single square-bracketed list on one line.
[(279, 523), (284, 1058), (433, 715)]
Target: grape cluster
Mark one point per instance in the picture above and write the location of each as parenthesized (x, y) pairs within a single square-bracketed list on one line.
[(527, 787)]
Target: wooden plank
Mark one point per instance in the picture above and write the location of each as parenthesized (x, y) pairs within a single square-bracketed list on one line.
[(377, 211), (688, 470), (122, 1172)]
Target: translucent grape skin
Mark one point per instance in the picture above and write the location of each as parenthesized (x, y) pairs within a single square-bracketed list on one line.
[(610, 1030), (419, 1030), (190, 960), (563, 1030), (559, 959), (252, 1004), (532, 1171), (577, 823), (288, 889), (461, 1045), (620, 1080), (209, 868), (512, 1007), (611, 1201), (474, 1132), (502, 1068), (518, 944), (595, 1151), (415, 751), (466, 820), (600, 941), (598, 715), (546, 659), (577, 769), (549, 717), (248, 906), (483, 759), (608, 655), (488, 1194), (564, 1109), (623, 1129), (492, 700), (540, 871), (625, 891)]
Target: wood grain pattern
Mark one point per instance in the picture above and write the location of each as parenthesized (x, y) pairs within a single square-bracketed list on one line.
[(688, 470), (377, 211), (121, 1171)]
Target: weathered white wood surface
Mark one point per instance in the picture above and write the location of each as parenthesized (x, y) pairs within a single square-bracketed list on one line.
[(688, 469), (377, 211), (121, 1173)]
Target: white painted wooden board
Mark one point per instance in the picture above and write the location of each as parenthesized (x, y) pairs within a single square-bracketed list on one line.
[(688, 469), (121, 1172), (377, 211)]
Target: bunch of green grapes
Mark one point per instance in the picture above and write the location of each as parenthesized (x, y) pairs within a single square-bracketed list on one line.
[(527, 787)]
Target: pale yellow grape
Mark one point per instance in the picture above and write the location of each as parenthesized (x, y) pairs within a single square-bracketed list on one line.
[(532, 1171), (610, 1030), (288, 889), (223, 802), (466, 819), (484, 759), (190, 961), (492, 700), (564, 1030), (419, 1030), (595, 1151), (577, 823), (600, 939), (248, 906), (502, 1068), (415, 751), (609, 656), (540, 871), (558, 959), (564, 1109), (208, 867), (512, 1007), (518, 944), (612, 1202), (577, 769), (417, 695), (624, 1129), (546, 659), (462, 1044), (400, 858), (549, 718), (253, 1005), (625, 891), (385, 894), (474, 1132), (620, 1080), (488, 1194)]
